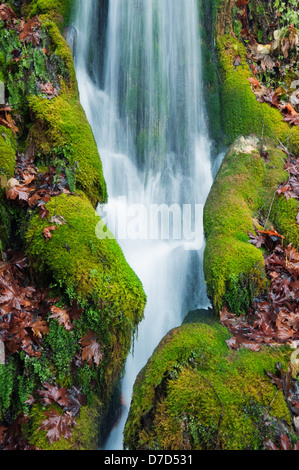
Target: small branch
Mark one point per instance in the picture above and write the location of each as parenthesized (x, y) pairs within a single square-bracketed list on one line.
[(270, 209)]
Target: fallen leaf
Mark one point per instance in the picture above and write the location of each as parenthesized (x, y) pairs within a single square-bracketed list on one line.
[(47, 232), (92, 350)]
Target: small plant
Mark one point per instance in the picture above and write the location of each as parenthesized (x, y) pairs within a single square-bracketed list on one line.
[(288, 12), (27, 66)]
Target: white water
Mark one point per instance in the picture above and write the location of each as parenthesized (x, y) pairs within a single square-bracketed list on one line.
[(151, 93)]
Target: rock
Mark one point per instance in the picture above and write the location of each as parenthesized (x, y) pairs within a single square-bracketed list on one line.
[(234, 269), (294, 85), (245, 144), (196, 394)]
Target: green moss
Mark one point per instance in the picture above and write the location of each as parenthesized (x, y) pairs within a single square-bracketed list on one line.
[(234, 269), (7, 167), (284, 214), (84, 435), (210, 75), (61, 122), (195, 393), (5, 225), (92, 269), (58, 10), (242, 114), (61, 49), (7, 152), (244, 194)]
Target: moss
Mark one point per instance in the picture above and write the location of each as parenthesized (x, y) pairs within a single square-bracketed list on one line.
[(7, 152), (7, 167), (195, 393), (61, 48), (5, 225), (76, 262), (243, 195), (58, 10), (92, 269), (61, 122), (84, 435), (246, 183), (242, 114), (284, 215), (210, 75)]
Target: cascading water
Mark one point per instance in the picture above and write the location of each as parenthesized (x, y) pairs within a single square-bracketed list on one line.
[(144, 101)]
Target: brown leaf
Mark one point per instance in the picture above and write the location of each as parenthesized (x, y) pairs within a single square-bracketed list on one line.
[(9, 122), (270, 445), (241, 3), (255, 83), (51, 393), (62, 316), (21, 192), (30, 31), (47, 232), (40, 328), (92, 350), (6, 13), (57, 425), (48, 89)]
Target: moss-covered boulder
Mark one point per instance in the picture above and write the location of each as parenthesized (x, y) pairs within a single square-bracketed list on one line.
[(92, 268), (58, 11), (242, 114), (60, 125), (195, 393), (243, 196)]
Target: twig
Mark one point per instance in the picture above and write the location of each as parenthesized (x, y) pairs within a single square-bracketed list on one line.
[(257, 212), (271, 205)]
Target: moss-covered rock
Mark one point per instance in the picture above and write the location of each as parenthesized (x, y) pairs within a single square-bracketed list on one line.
[(57, 10), (243, 193), (242, 114), (284, 214), (84, 434), (210, 75), (61, 124), (94, 270), (195, 393)]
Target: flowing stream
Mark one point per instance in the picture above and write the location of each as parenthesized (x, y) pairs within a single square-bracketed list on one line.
[(139, 74)]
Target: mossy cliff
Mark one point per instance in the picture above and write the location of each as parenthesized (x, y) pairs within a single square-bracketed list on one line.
[(81, 263), (195, 393)]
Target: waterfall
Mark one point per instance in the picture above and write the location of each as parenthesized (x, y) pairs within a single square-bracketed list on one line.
[(143, 97)]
